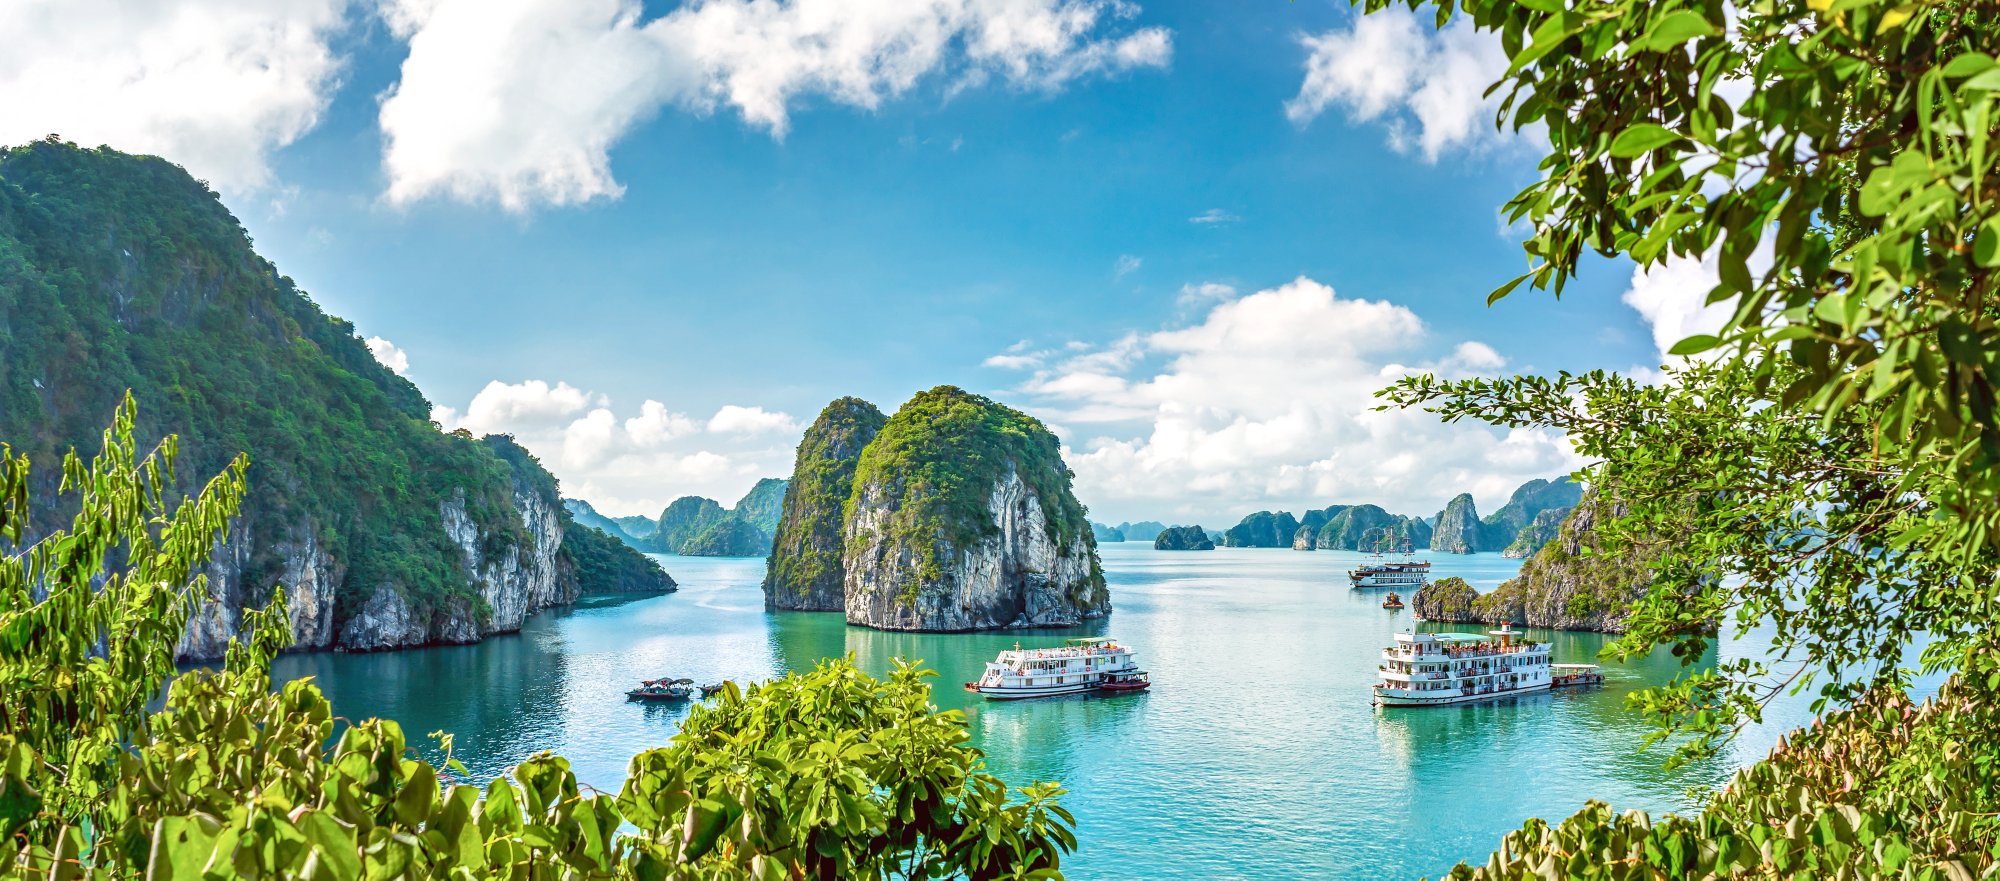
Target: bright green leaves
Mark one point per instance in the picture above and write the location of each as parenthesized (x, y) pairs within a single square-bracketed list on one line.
[(1641, 139), (1986, 243), (1669, 31)]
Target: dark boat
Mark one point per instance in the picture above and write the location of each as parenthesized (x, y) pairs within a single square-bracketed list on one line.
[(711, 690), (662, 690), (1124, 682), (1572, 675), (1393, 601)]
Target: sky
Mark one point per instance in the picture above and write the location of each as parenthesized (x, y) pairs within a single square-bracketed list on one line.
[(653, 240)]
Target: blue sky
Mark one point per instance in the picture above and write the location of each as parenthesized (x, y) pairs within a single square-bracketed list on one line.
[(1145, 242)]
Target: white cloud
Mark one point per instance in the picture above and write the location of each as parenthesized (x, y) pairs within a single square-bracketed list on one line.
[(1268, 402), (519, 101), (1193, 295), (1014, 362), (391, 357), (1125, 265), (633, 464), (733, 419), (526, 406), (1214, 216), (215, 85), (1673, 296), (1388, 65)]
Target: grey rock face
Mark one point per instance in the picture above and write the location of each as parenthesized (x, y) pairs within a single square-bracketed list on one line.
[(1018, 577), (1458, 528), (386, 621), (309, 575), (514, 583)]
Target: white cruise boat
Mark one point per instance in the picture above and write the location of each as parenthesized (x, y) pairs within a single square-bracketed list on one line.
[(1080, 665), (1435, 669), (1410, 574)]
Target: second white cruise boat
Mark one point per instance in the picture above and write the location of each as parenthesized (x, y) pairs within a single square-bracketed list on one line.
[(1435, 669), (1080, 665)]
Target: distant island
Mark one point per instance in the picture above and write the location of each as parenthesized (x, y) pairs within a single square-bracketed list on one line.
[(1183, 538), (1524, 524), (692, 526), (954, 514)]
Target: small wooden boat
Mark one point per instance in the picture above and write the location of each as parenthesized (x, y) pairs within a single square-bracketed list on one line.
[(662, 690), (1392, 601), (711, 690), (1124, 682), (1571, 675)]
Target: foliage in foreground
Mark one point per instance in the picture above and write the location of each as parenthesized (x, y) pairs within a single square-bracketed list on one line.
[(826, 774), (1835, 463)]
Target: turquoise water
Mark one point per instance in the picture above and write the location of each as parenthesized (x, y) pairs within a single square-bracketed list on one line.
[(1258, 754)]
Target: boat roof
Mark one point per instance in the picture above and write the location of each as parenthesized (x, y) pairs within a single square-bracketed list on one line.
[(1574, 666), (1090, 640), (1458, 637)]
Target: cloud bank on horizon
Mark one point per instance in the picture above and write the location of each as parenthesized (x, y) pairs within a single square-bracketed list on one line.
[(1268, 401)]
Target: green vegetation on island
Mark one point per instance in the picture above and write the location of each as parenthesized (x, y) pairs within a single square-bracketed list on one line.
[(122, 273), (608, 564), (944, 489), (1105, 533), (1183, 538), (805, 571)]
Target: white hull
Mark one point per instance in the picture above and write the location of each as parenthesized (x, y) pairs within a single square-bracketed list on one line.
[(1388, 699), (1007, 693)]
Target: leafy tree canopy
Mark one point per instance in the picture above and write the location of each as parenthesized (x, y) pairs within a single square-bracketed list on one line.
[(1830, 457)]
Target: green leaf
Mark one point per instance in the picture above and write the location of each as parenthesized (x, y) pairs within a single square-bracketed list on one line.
[(1672, 30), (1968, 64), (1986, 245), (1641, 139), (1695, 345)]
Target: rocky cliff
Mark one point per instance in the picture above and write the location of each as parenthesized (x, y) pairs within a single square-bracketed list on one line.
[(1541, 531), (762, 507), (1369, 528), (122, 272), (1458, 529), (1183, 538), (1105, 533), (683, 519), (1567, 585), (962, 518), (804, 572)]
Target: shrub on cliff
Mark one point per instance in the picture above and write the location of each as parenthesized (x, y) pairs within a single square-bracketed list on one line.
[(829, 773)]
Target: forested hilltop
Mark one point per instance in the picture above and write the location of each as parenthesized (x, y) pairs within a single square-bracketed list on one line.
[(123, 272)]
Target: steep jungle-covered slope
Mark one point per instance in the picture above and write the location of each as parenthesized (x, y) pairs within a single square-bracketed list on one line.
[(122, 272)]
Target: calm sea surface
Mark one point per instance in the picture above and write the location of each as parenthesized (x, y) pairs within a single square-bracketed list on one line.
[(1258, 755)]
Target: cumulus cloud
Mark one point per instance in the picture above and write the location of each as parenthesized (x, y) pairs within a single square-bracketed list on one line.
[(732, 419), (519, 101), (636, 463), (1427, 86), (1267, 401), (391, 357), (1673, 296), (215, 85)]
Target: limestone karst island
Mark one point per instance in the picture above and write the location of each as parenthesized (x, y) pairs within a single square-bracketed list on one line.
[(999, 439)]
